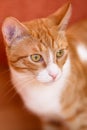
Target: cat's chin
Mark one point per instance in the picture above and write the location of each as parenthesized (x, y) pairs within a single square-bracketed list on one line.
[(49, 82)]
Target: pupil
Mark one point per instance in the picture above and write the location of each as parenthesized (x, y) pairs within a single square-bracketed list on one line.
[(36, 57), (60, 52)]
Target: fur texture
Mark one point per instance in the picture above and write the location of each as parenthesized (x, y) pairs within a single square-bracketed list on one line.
[(55, 85)]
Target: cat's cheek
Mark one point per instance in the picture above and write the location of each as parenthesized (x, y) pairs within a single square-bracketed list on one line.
[(59, 75), (44, 77)]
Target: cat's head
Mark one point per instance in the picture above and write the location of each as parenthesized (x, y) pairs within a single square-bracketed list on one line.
[(38, 48)]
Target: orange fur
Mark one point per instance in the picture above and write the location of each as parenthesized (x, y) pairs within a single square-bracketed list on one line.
[(25, 39)]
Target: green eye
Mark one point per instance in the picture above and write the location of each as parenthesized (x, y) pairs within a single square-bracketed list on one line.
[(60, 53), (36, 58)]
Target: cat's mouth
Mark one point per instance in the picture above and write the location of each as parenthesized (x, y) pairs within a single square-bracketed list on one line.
[(56, 79), (50, 80), (50, 75)]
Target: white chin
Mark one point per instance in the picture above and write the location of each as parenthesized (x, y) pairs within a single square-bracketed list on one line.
[(46, 80)]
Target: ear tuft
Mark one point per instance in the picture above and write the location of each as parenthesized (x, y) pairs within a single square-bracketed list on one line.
[(13, 30)]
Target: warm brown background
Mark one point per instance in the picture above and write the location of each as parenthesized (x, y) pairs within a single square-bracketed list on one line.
[(13, 116), (26, 10)]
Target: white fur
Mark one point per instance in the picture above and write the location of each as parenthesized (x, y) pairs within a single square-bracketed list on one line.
[(41, 98), (52, 69), (45, 75), (82, 52), (50, 57)]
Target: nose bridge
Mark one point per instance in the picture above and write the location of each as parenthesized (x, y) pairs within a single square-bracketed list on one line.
[(52, 68)]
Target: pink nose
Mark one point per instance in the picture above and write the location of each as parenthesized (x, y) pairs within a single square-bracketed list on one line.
[(53, 75)]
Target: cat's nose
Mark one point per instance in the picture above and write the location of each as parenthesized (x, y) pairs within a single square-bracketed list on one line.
[(53, 75)]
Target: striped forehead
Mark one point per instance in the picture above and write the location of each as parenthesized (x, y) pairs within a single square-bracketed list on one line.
[(44, 49), (46, 38), (41, 47)]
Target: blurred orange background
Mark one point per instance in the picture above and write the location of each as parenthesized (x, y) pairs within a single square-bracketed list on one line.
[(25, 10), (12, 115)]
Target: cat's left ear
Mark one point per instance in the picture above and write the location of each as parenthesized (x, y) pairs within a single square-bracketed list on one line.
[(13, 31), (62, 16)]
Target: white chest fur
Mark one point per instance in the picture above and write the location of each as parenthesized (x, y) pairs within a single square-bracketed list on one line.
[(45, 100), (42, 100)]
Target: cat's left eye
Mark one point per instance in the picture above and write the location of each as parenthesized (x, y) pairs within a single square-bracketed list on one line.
[(60, 53), (36, 58)]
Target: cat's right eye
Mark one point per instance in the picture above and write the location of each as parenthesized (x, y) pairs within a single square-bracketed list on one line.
[(60, 53), (36, 58)]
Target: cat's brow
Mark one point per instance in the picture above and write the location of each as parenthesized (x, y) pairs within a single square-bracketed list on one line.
[(42, 47), (35, 49)]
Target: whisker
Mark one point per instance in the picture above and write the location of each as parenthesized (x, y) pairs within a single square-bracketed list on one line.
[(4, 85), (4, 72), (10, 90), (14, 95), (24, 82)]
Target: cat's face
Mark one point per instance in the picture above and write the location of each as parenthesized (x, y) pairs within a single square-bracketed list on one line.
[(46, 60), (39, 48)]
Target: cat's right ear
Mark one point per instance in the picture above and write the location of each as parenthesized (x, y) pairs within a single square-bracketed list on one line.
[(13, 31)]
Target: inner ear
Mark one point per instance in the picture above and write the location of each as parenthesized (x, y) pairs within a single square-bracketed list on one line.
[(13, 30)]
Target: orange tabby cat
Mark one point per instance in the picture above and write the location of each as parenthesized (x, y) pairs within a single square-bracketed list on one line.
[(48, 67)]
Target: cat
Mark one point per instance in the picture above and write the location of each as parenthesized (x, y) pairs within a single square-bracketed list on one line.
[(48, 67)]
